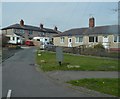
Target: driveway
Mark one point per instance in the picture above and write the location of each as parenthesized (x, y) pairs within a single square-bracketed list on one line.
[(20, 75)]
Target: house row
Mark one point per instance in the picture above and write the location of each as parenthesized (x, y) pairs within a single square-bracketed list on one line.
[(108, 36), (18, 33)]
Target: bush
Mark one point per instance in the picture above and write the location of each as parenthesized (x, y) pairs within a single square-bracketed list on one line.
[(99, 46), (10, 46), (4, 40)]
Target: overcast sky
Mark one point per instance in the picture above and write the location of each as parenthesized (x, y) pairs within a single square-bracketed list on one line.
[(63, 15)]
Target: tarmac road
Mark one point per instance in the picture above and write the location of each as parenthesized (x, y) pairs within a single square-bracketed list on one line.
[(19, 74)]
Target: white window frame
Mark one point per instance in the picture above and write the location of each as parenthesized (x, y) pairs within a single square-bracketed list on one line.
[(62, 39), (77, 39), (22, 31), (118, 39), (94, 39)]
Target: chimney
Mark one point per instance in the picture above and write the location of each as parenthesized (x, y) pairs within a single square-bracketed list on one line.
[(91, 22), (41, 26), (21, 23), (55, 28)]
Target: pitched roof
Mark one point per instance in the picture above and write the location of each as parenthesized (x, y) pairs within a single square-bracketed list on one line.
[(110, 29), (28, 27)]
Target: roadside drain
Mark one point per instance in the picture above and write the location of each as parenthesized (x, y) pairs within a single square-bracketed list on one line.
[(32, 64)]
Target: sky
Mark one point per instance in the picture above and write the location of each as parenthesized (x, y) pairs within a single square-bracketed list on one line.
[(64, 15)]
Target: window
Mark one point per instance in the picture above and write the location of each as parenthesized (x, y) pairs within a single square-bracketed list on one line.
[(22, 31), (13, 38), (39, 34), (17, 38), (116, 38), (30, 38), (14, 30), (43, 33), (93, 39), (105, 36), (96, 39), (79, 39), (45, 39), (119, 38), (38, 39), (52, 39), (30, 32), (62, 39), (70, 40), (8, 38)]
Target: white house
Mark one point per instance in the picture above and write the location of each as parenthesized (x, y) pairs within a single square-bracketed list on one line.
[(15, 39), (108, 36), (44, 40)]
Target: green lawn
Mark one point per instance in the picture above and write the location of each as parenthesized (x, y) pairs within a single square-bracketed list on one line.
[(47, 62), (104, 85)]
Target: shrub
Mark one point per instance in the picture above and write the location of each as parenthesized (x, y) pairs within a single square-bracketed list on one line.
[(99, 46), (4, 40)]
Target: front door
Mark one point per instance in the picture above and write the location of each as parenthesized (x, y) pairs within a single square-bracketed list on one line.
[(105, 42), (69, 42)]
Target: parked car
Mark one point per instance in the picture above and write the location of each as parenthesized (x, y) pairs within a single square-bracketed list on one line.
[(29, 43), (45, 45), (48, 45)]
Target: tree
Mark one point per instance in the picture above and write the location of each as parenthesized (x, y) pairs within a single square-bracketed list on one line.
[(4, 40)]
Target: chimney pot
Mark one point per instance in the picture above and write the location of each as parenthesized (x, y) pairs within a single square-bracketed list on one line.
[(21, 23), (41, 26), (55, 28), (91, 22)]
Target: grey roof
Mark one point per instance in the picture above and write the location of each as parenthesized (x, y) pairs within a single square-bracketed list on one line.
[(28, 27), (110, 29)]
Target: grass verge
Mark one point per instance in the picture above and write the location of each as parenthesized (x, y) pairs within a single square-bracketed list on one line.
[(47, 62), (103, 85)]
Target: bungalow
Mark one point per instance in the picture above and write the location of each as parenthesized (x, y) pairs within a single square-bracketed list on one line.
[(19, 32), (108, 36)]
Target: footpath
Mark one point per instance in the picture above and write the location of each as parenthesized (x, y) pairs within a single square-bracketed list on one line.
[(63, 76)]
